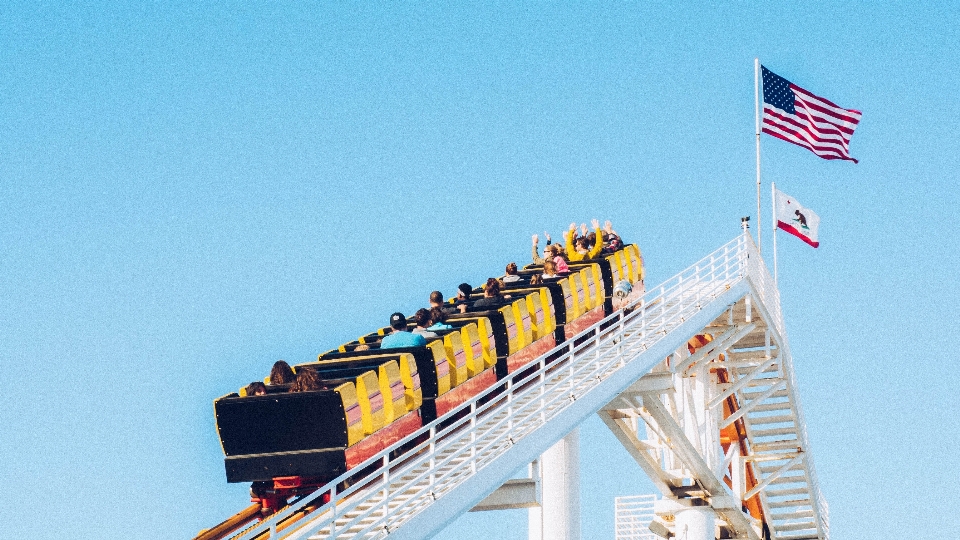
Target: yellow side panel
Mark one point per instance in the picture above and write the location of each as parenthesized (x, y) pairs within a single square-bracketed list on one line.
[(457, 356), (594, 284), (579, 293), (624, 265), (636, 261), (614, 268), (413, 395), (568, 302), (442, 363), (514, 340), (371, 402), (535, 308), (392, 390), (549, 314), (473, 346), (353, 411), (488, 341), (521, 313), (588, 296)]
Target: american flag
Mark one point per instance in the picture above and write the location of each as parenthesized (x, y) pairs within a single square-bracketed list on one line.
[(797, 116)]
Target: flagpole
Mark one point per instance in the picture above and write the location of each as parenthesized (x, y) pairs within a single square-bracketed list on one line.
[(773, 197), (756, 117)]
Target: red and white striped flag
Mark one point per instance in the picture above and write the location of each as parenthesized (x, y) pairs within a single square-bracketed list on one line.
[(795, 219), (797, 116)]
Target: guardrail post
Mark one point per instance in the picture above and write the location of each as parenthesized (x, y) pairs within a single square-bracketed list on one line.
[(473, 437), (433, 457)]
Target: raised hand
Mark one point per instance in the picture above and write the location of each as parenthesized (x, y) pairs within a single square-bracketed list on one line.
[(594, 224), (537, 239), (608, 227)]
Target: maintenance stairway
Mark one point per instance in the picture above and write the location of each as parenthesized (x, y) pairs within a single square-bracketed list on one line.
[(634, 366)]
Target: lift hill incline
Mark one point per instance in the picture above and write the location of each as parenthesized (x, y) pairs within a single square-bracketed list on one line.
[(700, 363)]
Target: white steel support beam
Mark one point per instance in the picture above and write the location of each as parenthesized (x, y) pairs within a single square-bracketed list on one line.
[(709, 348), (744, 409), (640, 451), (703, 475), (558, 517), (710, 353), (776, 474), (744, 380)]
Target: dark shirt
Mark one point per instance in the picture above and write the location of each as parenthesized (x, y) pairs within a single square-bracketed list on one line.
[(487, 301)]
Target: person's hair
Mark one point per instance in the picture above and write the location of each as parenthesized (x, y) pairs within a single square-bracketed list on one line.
[(256, 386), (422, 317), (436, 297), (512, 269), (492, 288), (550, 267), (307, 381), (281, 373), (437, 314), (536, 279), (465, 288), (591, 238), (580, 243), (362, 347)]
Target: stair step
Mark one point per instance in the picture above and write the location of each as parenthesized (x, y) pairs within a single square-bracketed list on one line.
[(790, 480), (772, 469), (778, 419), (772, 432), (763, 381), (775, 406), (789, 491), (750, 396), (788, 504), (802, 526), (793, 515), (788, 444)]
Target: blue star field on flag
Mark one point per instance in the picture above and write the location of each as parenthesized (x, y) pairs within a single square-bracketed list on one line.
[(777, 92)]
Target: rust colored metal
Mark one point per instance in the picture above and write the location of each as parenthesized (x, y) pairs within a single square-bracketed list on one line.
[(230, 525)]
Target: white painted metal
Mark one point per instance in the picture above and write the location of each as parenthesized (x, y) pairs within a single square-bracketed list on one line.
[(504, 428), (633, 517), (695, 523), (558, 518)]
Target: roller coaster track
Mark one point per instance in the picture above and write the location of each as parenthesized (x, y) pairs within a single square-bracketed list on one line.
[(616, 368)]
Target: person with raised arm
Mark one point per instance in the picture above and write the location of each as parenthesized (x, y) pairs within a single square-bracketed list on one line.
[(535, 250), (581, 251)]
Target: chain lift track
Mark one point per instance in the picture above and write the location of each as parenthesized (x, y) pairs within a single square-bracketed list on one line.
[(617, 369)]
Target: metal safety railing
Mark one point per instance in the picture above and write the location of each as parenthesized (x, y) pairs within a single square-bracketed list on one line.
[(633, 517), (396, 486)]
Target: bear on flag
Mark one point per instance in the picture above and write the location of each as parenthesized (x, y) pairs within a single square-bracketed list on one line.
[(795, 219)]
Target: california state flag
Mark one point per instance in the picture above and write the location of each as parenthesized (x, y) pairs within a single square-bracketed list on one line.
[(797, 220)]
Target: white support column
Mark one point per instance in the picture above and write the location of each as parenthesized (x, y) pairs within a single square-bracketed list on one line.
[(559, 516), (695, 523)]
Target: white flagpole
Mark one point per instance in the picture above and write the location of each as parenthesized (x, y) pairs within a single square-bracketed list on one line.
[(773, 196), (756, 117)]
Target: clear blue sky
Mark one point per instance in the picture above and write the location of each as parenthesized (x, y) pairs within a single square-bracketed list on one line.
[(188, 193)]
